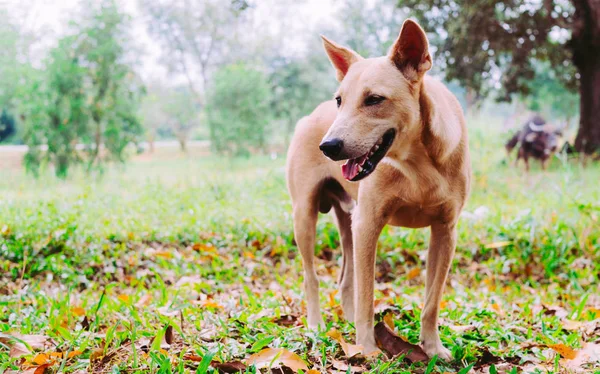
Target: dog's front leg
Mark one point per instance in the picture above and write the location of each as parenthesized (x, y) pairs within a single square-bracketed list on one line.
[(439, 258), (365, 232)]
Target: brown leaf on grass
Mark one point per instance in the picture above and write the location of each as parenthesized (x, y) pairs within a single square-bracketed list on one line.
[(461, 328), (37, 369), (343, 367), (587, 327), (229, 367), (20, 345), (555, 310), (144, 301), (589, 353), (96, 354), (394, 345), (313, 371), (78, 311), (388, 319), (564, 350), (286, 320), (169, 335), (487, 358), (275, 357), (497, 245), (350, 350), (415, 272)]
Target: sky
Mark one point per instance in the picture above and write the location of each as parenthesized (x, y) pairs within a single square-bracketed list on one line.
[(50, 19)]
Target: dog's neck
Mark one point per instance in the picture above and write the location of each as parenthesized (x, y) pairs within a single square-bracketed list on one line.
[(426, 143)]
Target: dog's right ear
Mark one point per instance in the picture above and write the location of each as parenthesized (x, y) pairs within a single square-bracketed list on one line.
[(410, 52), (341, 57)]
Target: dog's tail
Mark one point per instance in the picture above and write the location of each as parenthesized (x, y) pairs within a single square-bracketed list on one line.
[(512, 143)]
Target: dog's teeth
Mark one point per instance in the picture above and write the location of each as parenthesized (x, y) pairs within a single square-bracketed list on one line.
[(360, 169)]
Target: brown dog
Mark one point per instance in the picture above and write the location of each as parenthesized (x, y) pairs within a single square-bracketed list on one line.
[(406, 133)]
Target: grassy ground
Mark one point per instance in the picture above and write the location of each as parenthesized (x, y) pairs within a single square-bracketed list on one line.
[(166, 265)]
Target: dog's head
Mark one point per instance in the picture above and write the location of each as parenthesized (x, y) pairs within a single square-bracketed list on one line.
[(378, 100)]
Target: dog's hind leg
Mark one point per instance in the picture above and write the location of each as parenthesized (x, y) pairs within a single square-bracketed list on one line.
[(305, 222), (346, 280), (439, 259)]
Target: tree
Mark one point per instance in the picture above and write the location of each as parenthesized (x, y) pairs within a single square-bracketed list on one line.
[(7, 125), (298, 86), (548, 95), (480, 40), (86, 95), (369, 27), (195, 34), (54, 107), (181, 112), (238, 110)]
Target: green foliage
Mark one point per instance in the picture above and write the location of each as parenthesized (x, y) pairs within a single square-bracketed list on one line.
[(298, 86), (549, 95), (7, 125), (86, 95), (477, 41), (238, 110)]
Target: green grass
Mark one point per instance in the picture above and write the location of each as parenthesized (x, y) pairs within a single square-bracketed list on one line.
[(205, 245)]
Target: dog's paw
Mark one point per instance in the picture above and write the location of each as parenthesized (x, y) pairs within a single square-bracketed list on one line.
[(437, 349), (371, 350)]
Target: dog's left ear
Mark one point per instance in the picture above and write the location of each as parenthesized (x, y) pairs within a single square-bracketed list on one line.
[(410, 52), (341, 57)]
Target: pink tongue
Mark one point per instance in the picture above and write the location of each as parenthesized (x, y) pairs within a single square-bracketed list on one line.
[(350, 168)]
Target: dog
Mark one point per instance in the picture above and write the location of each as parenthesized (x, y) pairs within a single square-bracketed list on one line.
[(537, 139), (390, 149)]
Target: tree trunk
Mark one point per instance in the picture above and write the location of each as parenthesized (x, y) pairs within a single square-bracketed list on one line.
[(182, 143), (588, 136), (585, 44)]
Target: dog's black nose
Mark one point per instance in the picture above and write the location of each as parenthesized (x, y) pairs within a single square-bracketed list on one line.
[(332, 148)]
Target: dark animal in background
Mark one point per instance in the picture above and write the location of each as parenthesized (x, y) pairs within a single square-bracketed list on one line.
[(537, 139)]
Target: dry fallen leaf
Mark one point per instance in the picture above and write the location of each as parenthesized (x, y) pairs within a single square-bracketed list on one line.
[(20, 344), (564, 350), (415, 272), (497, 245), (37, 369), (144, 300), (389, 321), (229, 367), (394, 345), (350, 350), (459, 328), (286, 320), (78, 311), (269, 357), (343, 367), (587, 327), (589, 353), (124, 298), (313, 371)]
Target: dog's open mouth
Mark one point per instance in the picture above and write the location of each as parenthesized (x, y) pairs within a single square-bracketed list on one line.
[(356, 169)]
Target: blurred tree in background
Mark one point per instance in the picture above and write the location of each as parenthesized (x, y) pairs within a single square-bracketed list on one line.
[(85, 95), (547, 94), (181, 111), (369, 27), (238, 110), (298, 86), (7, 125), (195, 35), (495, 45)]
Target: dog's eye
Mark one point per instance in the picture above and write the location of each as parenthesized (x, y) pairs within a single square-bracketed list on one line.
[(338, 101), (373, 100)]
